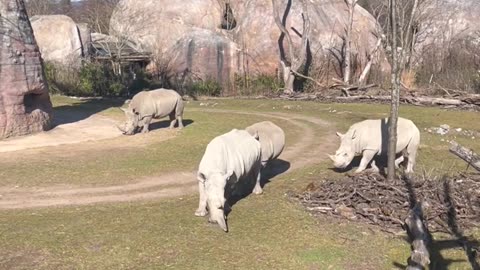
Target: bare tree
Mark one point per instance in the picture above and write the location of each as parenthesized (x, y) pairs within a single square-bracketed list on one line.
[(97, 14), (401, 32), (348, 42), (39, 7), (291, 66), (395, 80)]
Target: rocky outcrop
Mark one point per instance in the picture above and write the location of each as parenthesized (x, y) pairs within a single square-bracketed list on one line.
[(191, 33), (59, 39), (25, 105)]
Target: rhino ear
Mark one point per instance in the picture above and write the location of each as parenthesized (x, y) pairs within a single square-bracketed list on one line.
[(201, 177), (256, 135), (340, 135), (354, 134)]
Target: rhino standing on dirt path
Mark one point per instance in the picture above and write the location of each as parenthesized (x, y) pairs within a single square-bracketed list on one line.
[(271, 138), (157, 104), (229, 158), (370, 137)]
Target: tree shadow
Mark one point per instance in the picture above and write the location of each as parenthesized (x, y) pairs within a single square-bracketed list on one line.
[(82, 110), (166, 123), (437, 261), (243, 189)]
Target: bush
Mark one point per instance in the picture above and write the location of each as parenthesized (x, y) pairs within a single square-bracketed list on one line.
[(256, 85), (207, 87)]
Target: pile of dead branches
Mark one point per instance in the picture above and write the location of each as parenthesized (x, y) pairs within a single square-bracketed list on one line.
[(448, 204)]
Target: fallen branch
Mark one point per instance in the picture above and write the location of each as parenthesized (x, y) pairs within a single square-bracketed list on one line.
[(466, 154)]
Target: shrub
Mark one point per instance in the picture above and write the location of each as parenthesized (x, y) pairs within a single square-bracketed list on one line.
[(207, 87)]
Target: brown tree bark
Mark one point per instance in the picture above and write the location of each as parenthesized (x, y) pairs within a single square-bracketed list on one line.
[(395, 93), (25, 105)]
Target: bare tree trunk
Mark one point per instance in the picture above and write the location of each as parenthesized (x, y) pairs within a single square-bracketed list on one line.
[(348, 42), (369, 64), (392, 122), (296, 61)]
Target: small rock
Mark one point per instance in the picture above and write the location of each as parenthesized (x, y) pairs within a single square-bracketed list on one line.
[(458, 130), (345, 211), (445, 126)]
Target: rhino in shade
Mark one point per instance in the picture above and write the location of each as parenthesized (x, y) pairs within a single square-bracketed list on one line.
[(147, 105), (228, 159), (369, 138), (271, 138)]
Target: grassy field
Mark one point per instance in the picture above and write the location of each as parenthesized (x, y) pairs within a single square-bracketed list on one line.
[(266, 232)]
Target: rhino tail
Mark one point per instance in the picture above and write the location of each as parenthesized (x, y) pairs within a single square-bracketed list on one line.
[(179, 107)]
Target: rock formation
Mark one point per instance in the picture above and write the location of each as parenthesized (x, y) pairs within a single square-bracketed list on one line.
[(191, 34), (25, 105), (58, 38)]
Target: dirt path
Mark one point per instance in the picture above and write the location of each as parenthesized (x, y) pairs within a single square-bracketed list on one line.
[(93, 128), (309, 149)]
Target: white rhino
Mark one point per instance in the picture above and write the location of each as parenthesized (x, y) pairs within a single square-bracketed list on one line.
[(147, 105), (271, 138), (370, 137), (228, 159)]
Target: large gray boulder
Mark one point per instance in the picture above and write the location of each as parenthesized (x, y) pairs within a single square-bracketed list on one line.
[(25, 105), (58, 38), (189, 33)]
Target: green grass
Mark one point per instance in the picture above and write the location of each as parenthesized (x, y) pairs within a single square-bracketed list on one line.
[(266, 232)]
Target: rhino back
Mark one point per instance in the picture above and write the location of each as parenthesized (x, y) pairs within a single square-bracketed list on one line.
[(271, 137), (236, 150), (159, 103), (373, 134)]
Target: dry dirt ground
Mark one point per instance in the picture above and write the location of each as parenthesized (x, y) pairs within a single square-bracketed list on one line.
[(308, 149)]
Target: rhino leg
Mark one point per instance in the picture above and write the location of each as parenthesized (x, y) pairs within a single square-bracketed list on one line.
[(202, 204), (366, 158), (173, 120), (146, 124), (374, 166), (180, 121), (258, 188), (399, 161)]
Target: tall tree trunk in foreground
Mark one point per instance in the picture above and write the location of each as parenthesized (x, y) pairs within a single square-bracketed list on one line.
[(395, 92)]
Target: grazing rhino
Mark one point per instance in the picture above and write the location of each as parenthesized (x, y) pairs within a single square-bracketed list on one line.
[(370, 137), (228, 159), (271, 138), (157, 104)]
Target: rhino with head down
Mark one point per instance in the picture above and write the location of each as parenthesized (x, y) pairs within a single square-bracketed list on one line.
[(370, 137), (147, 105), (229, 158)]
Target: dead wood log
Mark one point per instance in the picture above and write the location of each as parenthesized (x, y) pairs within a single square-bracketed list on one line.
[(466, 154), (420, 238)]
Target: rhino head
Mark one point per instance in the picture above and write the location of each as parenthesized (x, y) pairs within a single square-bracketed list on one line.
[(131, 123), (215, 190), (345, 153)]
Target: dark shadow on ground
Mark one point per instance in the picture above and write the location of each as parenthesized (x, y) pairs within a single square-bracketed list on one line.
[(82, 109), (243, 189), (470, 246), (166, 124)]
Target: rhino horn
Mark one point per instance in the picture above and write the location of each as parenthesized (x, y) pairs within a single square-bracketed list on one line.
[(331, 157), (123, 109), (121, 129)]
